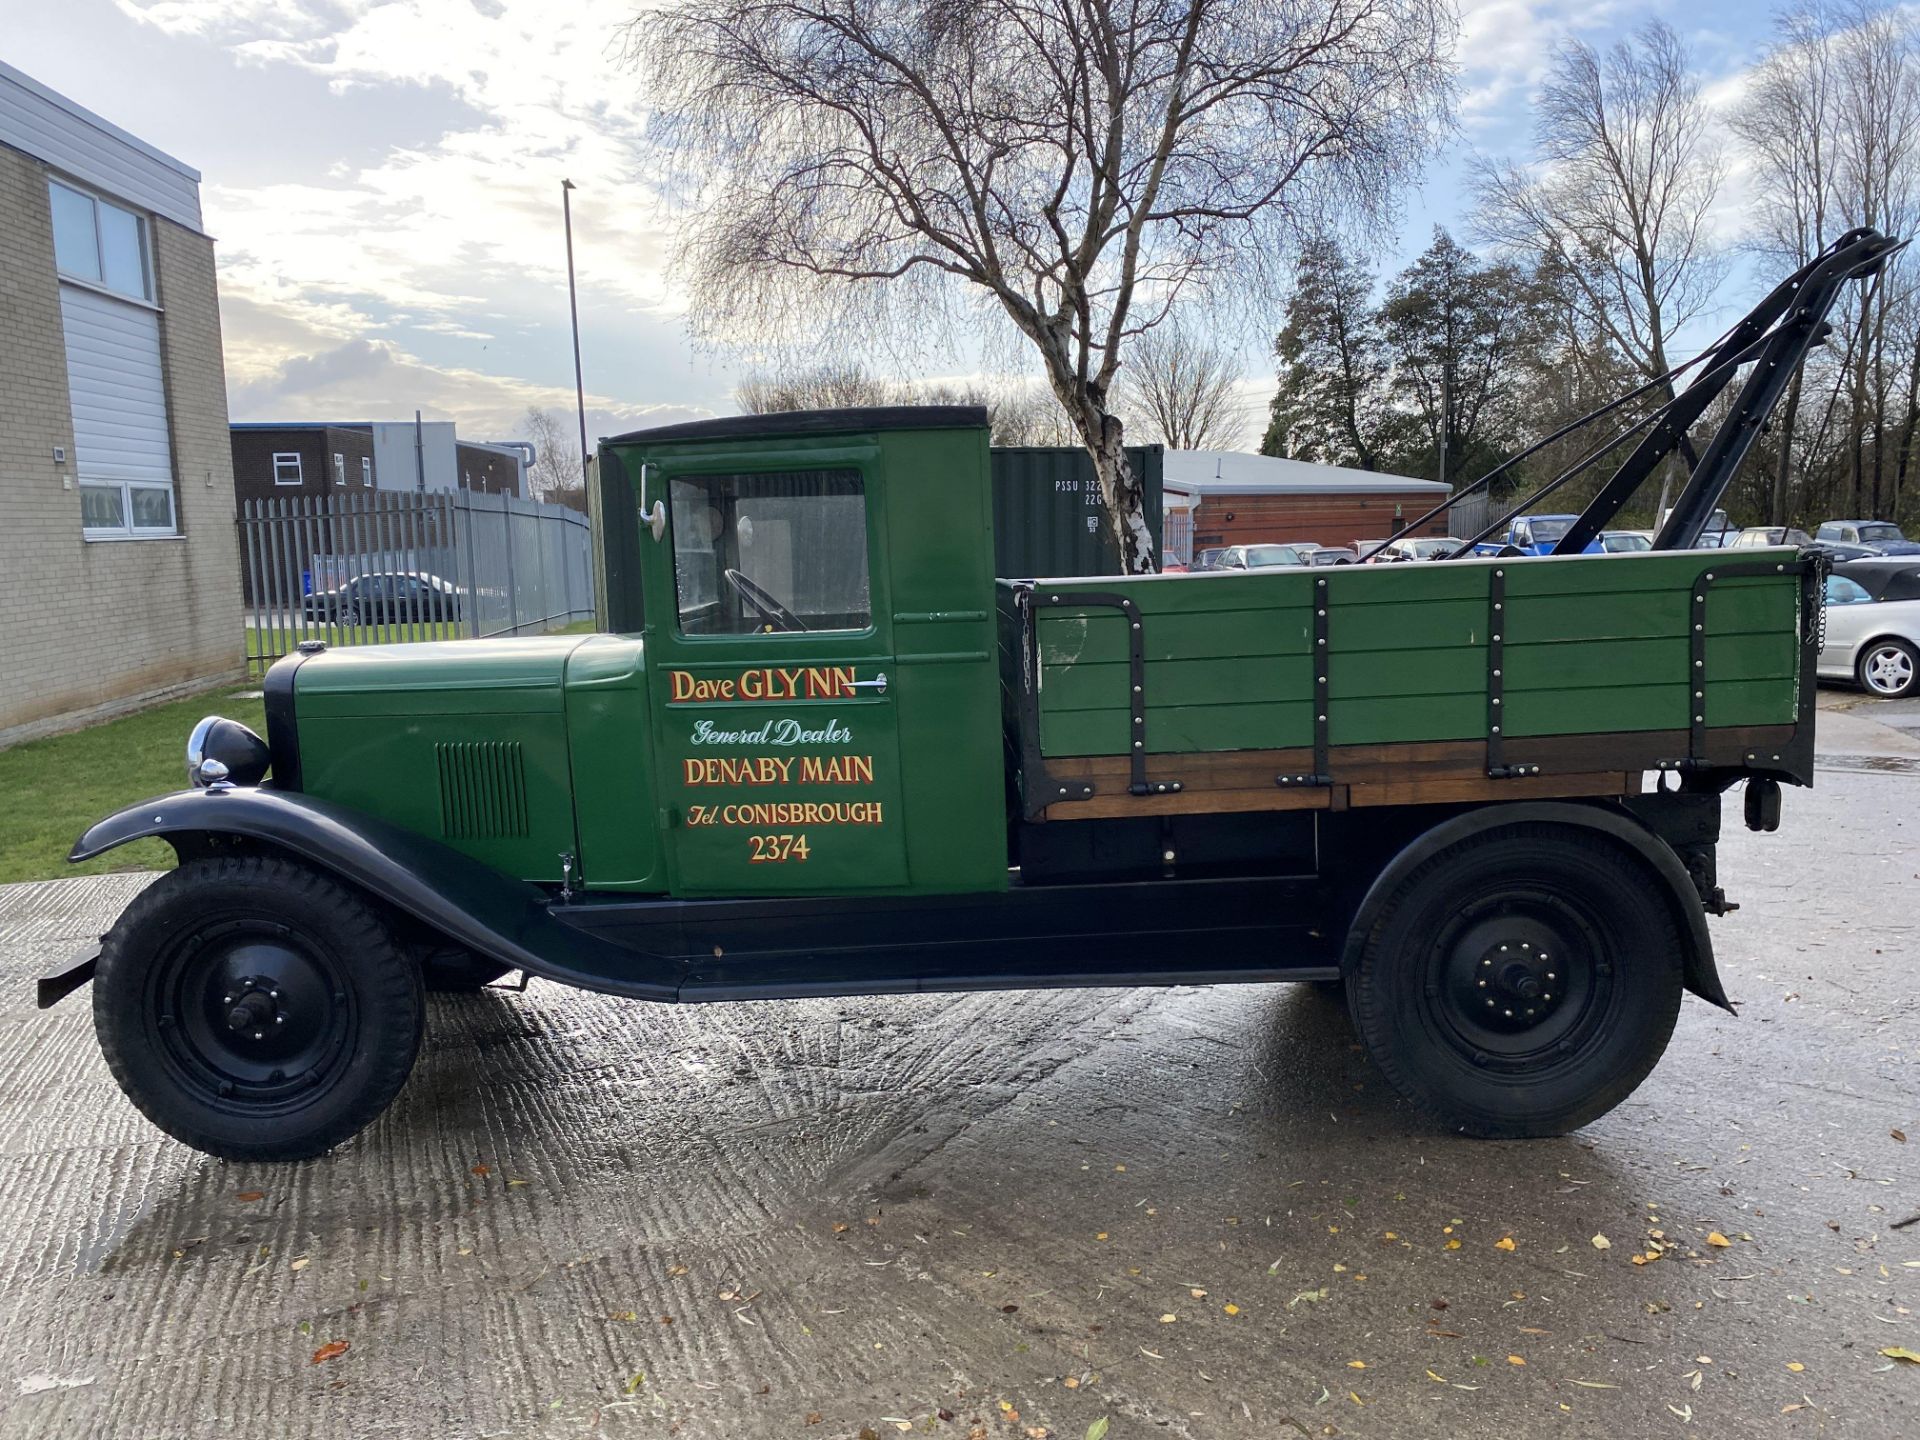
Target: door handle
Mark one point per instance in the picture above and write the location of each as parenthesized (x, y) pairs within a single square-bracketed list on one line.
[(878, 684)]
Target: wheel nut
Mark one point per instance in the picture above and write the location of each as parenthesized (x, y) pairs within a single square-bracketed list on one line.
[(279, 1019), (258, 1035)]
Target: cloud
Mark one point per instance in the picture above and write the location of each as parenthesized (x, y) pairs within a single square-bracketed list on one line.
[(440, 262)]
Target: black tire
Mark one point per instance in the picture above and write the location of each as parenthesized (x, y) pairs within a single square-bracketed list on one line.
[(218, 947), (1888, 668), (1583, 997), (457, 973)]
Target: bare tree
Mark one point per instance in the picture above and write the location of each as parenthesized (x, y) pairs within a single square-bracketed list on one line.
[(820, 387), (1626, 171), (1182, 391), (556, 454), (1071, 166), (1785, 125)]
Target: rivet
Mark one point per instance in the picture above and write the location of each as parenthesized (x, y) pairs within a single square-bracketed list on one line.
[(1501, 574), (1496, 674), (1322, 612), (1496, 729), (1138, 743), (1167, 855), (1323, 719), (1699, 719), (1496, 639), (1322, 642), (1496, 699), (1498, 606), (1139, 719)]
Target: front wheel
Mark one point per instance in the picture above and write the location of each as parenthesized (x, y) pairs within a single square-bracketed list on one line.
[(1889, 668), (1522, 982), (256, 1009)]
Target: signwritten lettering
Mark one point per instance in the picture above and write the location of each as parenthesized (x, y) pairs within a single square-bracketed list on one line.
[(771, 682)]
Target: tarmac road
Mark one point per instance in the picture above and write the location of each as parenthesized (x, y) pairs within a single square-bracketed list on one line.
[(1190, 1212)]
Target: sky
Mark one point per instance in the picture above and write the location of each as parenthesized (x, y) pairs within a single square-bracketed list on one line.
[(383, 181)]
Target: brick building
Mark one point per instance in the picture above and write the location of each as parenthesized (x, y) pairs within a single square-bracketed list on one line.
[(1224, 497), (275, 459), (117, 546)]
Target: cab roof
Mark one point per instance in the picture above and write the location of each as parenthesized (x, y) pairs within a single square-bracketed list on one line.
[(781, 423)]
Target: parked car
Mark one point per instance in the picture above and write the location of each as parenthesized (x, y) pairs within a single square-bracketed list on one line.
[(1377, 552), (1172, 565), (1883, 537), (1625, 542), (1206, 559), (1761, 537), (1332, 555), (1257, 557), (1873, 627), (384, 598), (1535, 535), (1424, 547)]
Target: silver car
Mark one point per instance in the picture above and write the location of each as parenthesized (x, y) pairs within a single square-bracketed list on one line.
[(1873, 627)]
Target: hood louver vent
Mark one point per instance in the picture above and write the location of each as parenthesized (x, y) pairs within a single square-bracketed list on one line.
[(483, 789)]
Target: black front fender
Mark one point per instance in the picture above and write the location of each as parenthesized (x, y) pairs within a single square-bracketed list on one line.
[(468, 903)]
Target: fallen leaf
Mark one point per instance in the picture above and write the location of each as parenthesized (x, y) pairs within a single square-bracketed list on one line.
[(1505, 1242), (1715, 1238), (1098, 1429), (1593, 1384), (1198, 1294), (482, 1170), (1901, 1352), (1231, 1309), (1600, 1242), (814, 1417), (1168, 1319), (247, 1197), (1453, 1244), (1685, 1412), (1515, 1360), (1795, 1366), (1899, 1135), (330, 1350), (1101, 1236), (1072, 1382), (1440, 1378), (300, 1264)]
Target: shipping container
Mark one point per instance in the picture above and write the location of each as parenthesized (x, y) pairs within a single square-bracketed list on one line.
[(1047, 517)]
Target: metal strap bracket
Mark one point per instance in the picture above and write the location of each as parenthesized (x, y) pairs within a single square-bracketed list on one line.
[(1322, 773), (1045, 789)]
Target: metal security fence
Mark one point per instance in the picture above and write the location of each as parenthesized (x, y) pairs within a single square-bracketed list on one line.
[(388, 567)]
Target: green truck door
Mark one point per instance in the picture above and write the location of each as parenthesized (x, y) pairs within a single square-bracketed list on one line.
[(771, 661)]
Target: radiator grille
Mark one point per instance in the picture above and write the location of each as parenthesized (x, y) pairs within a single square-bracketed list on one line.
[(483, 789)]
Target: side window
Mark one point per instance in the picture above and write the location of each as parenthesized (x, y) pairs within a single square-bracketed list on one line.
[(1842, 591), (777, 551)]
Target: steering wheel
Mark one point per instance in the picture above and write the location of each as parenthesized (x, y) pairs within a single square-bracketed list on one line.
[(771, 610)]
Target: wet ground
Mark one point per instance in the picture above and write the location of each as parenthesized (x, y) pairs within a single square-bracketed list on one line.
[(1183, 1212)]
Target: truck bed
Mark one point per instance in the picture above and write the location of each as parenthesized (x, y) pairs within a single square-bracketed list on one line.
[(1396, 684)]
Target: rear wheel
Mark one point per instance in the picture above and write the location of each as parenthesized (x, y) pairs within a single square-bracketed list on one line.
[(1889, 667), (256, 1009), (1522, 982)]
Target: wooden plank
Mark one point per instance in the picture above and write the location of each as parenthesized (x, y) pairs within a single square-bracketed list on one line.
[(1454, 790), (1119, 805)]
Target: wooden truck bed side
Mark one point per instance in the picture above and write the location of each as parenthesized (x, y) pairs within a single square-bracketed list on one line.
[(1332, 688)]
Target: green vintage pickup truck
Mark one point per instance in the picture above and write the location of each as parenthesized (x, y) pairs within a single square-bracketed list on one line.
[(828, 752)]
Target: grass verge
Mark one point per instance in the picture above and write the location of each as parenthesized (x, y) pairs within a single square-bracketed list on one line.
[(52, 789)]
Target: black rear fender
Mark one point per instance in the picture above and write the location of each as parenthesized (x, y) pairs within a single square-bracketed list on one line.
[(1669, 880)]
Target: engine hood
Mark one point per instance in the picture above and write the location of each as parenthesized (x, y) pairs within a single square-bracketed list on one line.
[(452, 677)]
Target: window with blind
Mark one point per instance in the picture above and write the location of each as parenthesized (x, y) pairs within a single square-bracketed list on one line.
[(122, 449)]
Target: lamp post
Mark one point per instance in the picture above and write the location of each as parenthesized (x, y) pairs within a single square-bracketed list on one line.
[(573, 306)]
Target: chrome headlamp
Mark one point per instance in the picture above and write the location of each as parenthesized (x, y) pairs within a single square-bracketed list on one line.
[(225, 753)]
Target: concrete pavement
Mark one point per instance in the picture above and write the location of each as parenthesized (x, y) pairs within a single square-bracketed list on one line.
[(1190, 1212)]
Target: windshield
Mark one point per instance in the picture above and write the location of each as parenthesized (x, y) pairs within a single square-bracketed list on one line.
[(1619, 543), (1272, 555), (1433, 549), (1876, 534), (1548, 528)]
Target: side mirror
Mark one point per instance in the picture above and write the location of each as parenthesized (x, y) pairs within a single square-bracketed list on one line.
[(656, 517)]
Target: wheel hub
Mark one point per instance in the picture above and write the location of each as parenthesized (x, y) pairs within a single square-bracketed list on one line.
[(255, 1009), (1516, 981), (250, 1014)]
